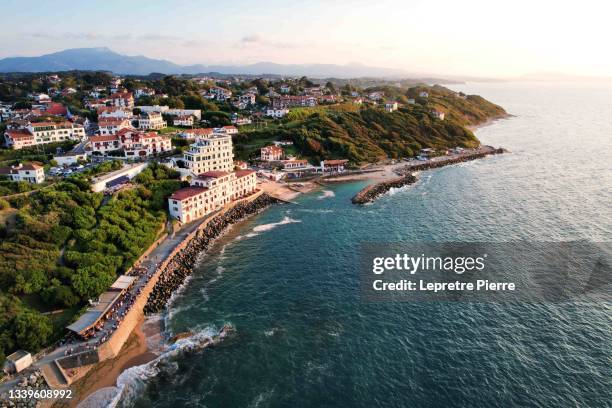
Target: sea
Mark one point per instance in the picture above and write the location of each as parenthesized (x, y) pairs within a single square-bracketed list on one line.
[(288, 282)]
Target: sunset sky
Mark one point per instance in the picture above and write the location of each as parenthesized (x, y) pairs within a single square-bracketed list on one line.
[(484, 38)]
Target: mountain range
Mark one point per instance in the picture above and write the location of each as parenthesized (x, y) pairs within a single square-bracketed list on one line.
[(104, 59)]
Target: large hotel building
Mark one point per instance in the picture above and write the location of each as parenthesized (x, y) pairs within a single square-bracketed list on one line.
[(210, 153), (214, 182)]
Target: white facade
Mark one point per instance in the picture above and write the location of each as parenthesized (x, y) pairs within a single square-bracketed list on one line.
[(209, 192), (277, 113), (210, 153), (110, 126), (151, 121), (271, 153), (43, 132), (31, 173)]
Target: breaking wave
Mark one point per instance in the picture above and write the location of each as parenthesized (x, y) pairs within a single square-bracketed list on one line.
[(133, 381), (326, 194)]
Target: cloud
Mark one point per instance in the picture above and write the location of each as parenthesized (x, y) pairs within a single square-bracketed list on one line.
[(105, 37), (253, 38), (256, 39)]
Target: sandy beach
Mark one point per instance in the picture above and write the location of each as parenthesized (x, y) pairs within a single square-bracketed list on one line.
[(135, 352)]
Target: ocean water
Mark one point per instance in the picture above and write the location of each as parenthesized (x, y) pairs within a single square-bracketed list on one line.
[(287, 280)]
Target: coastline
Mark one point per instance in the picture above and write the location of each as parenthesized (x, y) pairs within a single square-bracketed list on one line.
[(145, 342), (134, 352), (137, 350)]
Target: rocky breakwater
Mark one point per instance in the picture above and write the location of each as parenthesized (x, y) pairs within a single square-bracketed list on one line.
[(181, 264), (372, 192), (448, 160)]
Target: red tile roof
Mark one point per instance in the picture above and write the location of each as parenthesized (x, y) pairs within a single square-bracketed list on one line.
[(57, 109), (334, 162), (243, 173), (103, 138), (207, 131), (19, 134), (187, 192), (213, 174)]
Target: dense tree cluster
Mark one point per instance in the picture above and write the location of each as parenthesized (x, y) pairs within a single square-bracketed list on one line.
[(65, 245)]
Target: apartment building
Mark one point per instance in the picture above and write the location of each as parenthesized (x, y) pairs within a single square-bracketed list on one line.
[(210, 153), (209, 192)]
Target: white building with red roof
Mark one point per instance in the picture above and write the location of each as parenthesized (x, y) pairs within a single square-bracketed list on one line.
[(271, 153), (333, 166), (43, 132), (18, 139), (30, 173), (114, 112), (123, 99), (110, 126), (151, 121), (133, 143), (193, 134), (209, 192)]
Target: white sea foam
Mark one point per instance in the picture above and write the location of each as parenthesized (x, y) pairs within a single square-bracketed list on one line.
[(272, 225), (132, 382), (326, 194)]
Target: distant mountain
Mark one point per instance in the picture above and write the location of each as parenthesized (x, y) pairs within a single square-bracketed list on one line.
[(104, 59)]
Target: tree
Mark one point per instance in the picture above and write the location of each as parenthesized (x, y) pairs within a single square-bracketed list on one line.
[(32, 329)]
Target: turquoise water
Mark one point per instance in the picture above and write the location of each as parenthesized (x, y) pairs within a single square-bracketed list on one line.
[(288, 281)]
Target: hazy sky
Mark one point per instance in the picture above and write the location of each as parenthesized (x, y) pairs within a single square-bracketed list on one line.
[(480, 37)]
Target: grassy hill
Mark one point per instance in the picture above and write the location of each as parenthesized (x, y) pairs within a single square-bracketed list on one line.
[(370, 134)]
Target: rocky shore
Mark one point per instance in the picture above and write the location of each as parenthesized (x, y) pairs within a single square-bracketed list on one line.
[(434, 164), (181, 265), (372, 192)]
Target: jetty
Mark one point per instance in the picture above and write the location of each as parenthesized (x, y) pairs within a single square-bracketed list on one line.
[(407, 177)]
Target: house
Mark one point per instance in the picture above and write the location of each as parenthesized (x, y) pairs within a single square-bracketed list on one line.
[(391, 106), (31, 173), (291, 101), (114, 112), (190, 134), (184, 112), (221, 94), (43, 132), (277, 113), (333, 166), (285, 89), (183, 120), (424, 94), (122, 99), (438, 114), (56, 109), (229, 130), (41, 97), (411, 101), (151, 121), (144, 92), (17, 362), (271, 153), (70, 158), (240, 165), (110, 126), (53, 78), (328, 99), (140, 144), (18, 139), (102, 145), (376, 95), (133, 143), (238, 121), (294, 164), (247, 99)]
